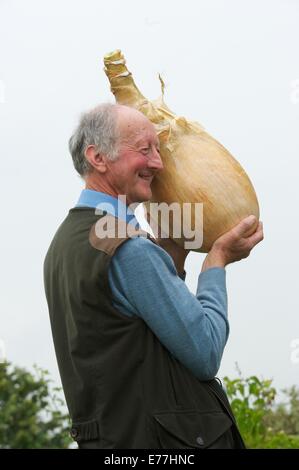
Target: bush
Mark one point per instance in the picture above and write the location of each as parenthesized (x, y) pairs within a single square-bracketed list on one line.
[(32, 416), (263, 424), (30, 410)]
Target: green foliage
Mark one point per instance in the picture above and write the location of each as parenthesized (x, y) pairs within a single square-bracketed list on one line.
[(31, 415), (263, 424), (30, 410), (286, 415)]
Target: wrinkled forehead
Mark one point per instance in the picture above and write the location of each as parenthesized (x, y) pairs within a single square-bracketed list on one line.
[(134, 125)]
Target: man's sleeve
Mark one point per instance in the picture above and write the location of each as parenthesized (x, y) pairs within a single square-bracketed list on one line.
[(144, 282)]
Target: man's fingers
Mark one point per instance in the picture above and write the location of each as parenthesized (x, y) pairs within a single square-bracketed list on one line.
[(258, 236), (246, 225)]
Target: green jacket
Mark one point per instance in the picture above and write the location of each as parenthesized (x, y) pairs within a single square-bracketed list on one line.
[(123, 388)]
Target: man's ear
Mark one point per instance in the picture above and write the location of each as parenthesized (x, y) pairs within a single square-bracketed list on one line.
[(95, 159)]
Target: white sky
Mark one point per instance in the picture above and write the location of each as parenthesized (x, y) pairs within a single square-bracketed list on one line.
[(231, 65)]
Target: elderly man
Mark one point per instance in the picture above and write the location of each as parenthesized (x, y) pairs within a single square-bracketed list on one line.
[(137, 352)]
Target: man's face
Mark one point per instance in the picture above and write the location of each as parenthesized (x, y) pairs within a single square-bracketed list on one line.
[(139, 158)]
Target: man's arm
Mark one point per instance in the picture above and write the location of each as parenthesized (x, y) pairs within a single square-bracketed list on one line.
[(144, 282)]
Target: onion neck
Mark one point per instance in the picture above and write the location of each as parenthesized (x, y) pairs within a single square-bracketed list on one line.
[(122, 84)]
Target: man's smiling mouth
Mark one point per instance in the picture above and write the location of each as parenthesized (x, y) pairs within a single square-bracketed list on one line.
[(146, 176)]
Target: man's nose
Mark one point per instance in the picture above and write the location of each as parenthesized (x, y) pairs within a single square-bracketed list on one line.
[(155, 161)]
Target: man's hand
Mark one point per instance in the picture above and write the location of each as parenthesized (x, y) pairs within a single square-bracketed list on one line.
[(234, 245)]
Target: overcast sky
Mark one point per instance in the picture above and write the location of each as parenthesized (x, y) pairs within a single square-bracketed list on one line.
[(231, 65)]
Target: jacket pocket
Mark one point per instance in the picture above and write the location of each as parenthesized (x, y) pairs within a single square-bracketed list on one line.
[(193, 429)]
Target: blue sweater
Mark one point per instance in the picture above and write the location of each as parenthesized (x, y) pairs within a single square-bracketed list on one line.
[(144, 282)]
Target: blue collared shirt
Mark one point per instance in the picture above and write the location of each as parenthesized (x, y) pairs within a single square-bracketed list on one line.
[(144, 282)]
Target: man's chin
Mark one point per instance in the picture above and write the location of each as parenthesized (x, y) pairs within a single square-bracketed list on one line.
[(145, 196)]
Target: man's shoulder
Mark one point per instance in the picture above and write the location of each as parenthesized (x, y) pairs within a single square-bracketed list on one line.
[(109, 233), (140, 244), (144, 250)]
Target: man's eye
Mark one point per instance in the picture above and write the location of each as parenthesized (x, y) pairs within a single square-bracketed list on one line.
[(145, 150)]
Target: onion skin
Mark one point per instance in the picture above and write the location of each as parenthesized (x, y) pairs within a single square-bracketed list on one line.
[(197, 168)]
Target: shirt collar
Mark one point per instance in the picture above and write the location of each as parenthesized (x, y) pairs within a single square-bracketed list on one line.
[(110, 204)]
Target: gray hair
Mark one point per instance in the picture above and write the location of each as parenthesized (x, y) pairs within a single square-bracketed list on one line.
[(96, 127)]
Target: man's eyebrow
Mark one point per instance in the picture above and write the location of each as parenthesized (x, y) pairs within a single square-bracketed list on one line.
[(140, 141), (144, 141)]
